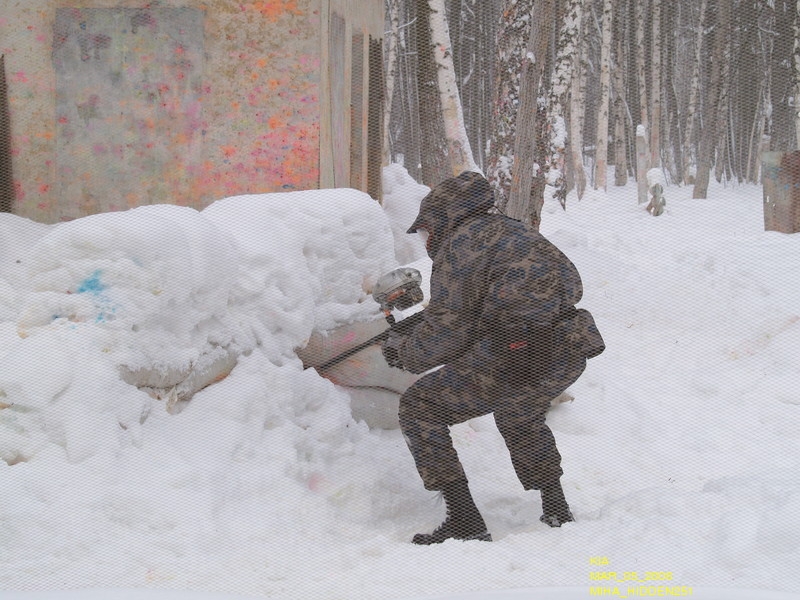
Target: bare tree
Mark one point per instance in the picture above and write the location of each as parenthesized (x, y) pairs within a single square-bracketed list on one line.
[(620, 112), (577, 107), (640, 12), (694, 91), (433, 144), (710, 135), (459, 152), (713, 83), (512, 43), (567, 65), (601, 144), (526, 199), (722, 164), (655, 86), (796, 62), (390, 41)]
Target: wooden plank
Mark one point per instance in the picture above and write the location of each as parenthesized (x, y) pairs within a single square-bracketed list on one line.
[(781, 190), (375, 120), (6, 175), (340, 115), (357, 112), (326, 159)]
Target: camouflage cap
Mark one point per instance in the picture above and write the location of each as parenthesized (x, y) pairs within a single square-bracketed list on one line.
[(452, 201)]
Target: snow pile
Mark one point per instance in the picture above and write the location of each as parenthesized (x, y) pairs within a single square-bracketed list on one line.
[(681, 450), (307, 260), (168, 298), (153, 282), (17, 237), (401, 201)]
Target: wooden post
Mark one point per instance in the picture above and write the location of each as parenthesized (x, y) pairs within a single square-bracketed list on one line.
[(641, 163), (781, 184), (6, 178)]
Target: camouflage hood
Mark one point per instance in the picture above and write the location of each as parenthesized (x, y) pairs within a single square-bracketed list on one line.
[(451, 203)]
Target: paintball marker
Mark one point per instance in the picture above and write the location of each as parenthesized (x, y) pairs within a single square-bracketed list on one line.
[(399, 289)]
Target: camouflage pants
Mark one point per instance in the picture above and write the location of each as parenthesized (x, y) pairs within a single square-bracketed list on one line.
[(461, 391)]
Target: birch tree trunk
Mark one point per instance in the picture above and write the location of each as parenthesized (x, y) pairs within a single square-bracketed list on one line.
[(758, 139), (689, 156), (459, 151), (796, 56), (655, 87), (391, 38), (620, 113), (641, 8), (433, 143), (577, 101), (723, 107), (521, 204), (566, 64), (601, 147)]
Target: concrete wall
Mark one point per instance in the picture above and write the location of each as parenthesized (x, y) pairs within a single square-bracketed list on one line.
[(119, 103)]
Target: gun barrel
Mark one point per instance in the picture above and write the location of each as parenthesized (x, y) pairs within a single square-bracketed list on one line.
[(404, 327)]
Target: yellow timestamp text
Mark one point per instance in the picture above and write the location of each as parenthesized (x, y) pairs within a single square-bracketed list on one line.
[(625, 576), (632, 584), (641, 591)]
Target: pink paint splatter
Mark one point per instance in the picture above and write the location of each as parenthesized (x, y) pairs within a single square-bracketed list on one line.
[(19, 191)]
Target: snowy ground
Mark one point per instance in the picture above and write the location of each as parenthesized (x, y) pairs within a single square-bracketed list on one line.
[(681, 448)]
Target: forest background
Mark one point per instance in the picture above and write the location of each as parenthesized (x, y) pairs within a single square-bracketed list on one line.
[(561, 90)]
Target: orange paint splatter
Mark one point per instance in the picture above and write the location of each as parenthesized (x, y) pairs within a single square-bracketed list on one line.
[(228, 150), (274, 9), (276, 123)]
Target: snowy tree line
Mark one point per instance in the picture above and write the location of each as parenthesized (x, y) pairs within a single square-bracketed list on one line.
[(559, 89)]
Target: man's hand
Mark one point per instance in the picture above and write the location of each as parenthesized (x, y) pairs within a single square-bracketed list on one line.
[(391, 349)]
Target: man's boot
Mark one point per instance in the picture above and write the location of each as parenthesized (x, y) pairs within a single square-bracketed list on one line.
[(554, 506), (463, 522)]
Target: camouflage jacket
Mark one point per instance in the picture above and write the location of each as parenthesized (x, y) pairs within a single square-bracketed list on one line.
[(489, 272)]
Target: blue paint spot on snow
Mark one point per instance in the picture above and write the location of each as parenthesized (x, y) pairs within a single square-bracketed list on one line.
[(92, 284)]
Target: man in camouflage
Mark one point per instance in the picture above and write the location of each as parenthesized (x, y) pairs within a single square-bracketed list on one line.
[(502, 320)]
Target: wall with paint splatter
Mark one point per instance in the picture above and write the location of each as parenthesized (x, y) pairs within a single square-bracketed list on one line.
[(115, 104)]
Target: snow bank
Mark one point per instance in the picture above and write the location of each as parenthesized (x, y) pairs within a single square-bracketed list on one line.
[(680, 450), (542, 593), (17, 237), (166, 299), (307, 261)]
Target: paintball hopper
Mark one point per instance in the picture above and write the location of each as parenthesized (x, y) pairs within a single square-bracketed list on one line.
[(398, 289)]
